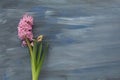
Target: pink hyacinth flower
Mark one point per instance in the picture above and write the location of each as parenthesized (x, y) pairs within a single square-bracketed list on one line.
[(25, 28)]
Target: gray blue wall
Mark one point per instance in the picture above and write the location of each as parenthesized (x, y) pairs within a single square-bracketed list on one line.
[(84, 37)]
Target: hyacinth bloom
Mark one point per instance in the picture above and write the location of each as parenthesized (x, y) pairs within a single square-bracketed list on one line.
[(37, 48), (25, 28)]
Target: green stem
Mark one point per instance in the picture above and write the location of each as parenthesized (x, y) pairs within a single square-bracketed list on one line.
[(29, 46), (36, 64), (32, 59), (35, 76)]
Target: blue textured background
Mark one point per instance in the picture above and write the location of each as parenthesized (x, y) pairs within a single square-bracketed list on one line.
[(84, 38)]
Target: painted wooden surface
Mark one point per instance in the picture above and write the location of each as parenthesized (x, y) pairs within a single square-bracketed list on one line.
[(84, 38)]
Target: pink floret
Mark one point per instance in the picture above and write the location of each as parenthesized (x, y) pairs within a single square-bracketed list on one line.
[(25, 28)]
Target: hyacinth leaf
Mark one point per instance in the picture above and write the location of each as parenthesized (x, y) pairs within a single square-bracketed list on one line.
[(42, 58), (39, 53), (35, 52)]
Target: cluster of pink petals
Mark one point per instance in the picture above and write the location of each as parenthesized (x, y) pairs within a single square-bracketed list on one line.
[(25, 28)]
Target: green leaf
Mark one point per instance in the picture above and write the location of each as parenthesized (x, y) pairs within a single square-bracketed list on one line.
[(39, 53), (42, 58), (35, 52)]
